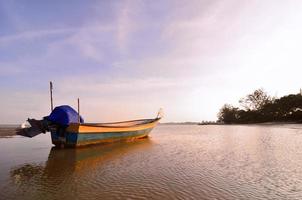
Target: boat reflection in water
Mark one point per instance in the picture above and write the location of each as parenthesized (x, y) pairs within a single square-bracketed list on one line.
[(84, 159), (69, 171)]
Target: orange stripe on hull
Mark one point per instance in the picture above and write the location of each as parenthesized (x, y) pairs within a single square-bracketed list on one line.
[(82, 128)]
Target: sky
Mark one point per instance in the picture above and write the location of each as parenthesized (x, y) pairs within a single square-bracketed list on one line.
[(126, 59)]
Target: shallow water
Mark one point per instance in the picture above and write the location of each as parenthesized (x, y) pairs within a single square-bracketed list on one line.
[(175, 162)]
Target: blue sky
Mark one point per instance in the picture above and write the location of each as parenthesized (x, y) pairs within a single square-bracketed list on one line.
[(126, 59)]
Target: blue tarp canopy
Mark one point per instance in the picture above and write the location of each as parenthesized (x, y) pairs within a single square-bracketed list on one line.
[(64, 115)]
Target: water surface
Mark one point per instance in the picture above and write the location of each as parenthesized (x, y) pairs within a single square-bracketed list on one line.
[(175, 162)]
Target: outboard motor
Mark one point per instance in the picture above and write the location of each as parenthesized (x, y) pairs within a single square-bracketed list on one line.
[(59, 119), (33, 128)]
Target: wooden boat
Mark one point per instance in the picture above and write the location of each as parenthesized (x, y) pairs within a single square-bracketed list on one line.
[(68, 129), (78, 134)]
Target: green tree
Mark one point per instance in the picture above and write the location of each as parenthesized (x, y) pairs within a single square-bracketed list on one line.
[(260, 107), (228, 114), (256, 101)]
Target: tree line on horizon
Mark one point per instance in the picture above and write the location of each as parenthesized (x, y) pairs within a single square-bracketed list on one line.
[(259, 107)]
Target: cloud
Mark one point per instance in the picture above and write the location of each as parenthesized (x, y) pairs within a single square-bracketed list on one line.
[(9, 69), (90, 41), (126, 22), (189, 58), (31, 35)]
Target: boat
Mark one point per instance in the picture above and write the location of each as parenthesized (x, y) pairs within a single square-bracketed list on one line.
[(65, 132), (67, 128), (82, 134)]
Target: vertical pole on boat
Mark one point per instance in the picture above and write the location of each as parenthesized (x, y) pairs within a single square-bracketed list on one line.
[(79, 118), (51, 101)]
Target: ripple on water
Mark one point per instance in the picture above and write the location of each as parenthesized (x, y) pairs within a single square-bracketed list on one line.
[(176, 162)]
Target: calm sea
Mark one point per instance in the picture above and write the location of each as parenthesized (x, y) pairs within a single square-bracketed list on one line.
[(175, 162)]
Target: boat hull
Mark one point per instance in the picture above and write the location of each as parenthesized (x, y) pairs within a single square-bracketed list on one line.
[(77, 135)]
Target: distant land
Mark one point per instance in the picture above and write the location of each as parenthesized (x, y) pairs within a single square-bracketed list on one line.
[(192, 123), (8, 130), (259, 107), (180, 123)]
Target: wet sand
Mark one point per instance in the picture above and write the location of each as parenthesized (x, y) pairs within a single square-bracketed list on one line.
[(8, 130), (175, 162)]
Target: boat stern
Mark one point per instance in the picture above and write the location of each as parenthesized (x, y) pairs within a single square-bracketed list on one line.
[(63, 139)]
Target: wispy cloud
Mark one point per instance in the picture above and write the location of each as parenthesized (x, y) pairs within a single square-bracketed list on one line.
[(128, 14), (188, 57), (31, 35), (9, 69)]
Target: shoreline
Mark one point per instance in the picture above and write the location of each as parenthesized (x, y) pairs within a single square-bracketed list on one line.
[(8, 131), (260, 123)]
